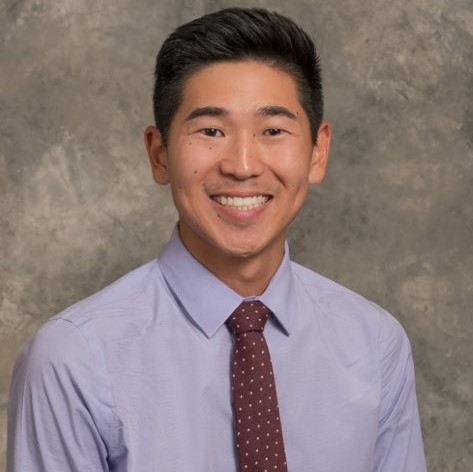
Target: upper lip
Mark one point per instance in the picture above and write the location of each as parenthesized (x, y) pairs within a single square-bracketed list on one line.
[(240, 194)]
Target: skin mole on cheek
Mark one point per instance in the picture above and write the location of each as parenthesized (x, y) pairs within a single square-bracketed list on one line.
[(196, 171)]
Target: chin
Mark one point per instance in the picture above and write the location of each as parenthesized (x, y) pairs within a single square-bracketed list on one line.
[(240, 252)]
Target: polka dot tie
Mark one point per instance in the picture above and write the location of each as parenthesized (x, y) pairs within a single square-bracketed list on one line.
[(259, 437)]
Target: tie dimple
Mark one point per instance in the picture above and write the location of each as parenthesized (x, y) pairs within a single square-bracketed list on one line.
[(259, 438)]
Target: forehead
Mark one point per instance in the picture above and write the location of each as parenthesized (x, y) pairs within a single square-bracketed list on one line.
[(239, 84)]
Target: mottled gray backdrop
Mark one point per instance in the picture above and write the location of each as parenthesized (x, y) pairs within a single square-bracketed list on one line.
[(393, 220)]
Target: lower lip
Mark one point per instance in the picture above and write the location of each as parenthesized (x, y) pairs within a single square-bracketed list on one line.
[(241, 215)]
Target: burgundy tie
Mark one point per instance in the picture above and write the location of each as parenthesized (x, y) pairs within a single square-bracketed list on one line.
[(259, 436)]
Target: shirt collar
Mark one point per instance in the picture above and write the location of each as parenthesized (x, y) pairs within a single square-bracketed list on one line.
[(209, 302)]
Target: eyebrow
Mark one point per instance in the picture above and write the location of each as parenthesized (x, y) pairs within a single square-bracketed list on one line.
[(276, 110), (269, 110), (206, 111)]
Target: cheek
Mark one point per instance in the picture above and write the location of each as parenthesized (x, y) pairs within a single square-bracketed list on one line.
[(292, 165), (189, 162)]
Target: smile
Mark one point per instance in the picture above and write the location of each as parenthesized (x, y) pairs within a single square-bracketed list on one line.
[(242, 203)]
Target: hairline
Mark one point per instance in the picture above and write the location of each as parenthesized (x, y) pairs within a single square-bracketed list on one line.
[(272, 62)]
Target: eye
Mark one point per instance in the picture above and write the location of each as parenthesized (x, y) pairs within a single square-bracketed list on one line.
[(211, 132), (273, 132)]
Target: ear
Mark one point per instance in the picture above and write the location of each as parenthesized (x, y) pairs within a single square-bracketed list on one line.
[(158, 155), (320, 154)]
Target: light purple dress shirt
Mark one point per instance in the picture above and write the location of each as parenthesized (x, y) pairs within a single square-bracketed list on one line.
[(136, 378)]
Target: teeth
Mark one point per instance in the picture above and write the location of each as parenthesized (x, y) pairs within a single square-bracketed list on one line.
[(242, 203)]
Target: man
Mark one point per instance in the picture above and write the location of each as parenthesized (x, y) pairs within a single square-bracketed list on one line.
[(155, 372)]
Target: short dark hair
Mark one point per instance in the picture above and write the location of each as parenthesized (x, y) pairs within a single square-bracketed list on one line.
[(233, 35)]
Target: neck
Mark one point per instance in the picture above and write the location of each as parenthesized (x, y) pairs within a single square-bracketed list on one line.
[(247, 275)]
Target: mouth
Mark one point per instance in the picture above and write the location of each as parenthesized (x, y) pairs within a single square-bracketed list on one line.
[(242, 203)]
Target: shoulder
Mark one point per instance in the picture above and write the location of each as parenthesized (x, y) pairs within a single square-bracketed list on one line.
[(59, 389), (77, 335), (349, 313), (56, 351), (131, 294)]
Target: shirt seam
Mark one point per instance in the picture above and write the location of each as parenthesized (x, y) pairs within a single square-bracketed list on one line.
[(113, 447)]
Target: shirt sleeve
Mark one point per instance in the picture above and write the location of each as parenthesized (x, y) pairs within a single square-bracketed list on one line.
[(59, 406), (399, 446)]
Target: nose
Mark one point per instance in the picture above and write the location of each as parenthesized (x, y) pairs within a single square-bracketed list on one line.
[(243, 158)]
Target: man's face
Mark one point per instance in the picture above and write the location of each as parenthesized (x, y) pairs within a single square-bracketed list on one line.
[(239, 159)]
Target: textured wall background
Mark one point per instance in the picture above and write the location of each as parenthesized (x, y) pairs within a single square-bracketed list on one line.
[(393, 221)]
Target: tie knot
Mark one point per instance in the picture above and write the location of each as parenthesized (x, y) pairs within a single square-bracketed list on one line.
[(249, 316)]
